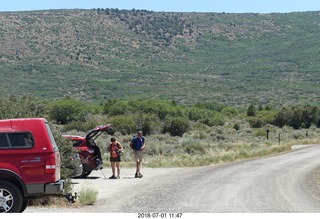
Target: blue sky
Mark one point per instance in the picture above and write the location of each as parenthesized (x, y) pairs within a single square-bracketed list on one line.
[(228, 6)]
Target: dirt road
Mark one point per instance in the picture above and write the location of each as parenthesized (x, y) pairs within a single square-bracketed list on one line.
[(283, 183)]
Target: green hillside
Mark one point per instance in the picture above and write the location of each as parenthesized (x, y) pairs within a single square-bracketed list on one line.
[(101, 54)]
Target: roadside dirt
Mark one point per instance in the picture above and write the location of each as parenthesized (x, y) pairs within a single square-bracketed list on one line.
[(110, 189), (289, 182)]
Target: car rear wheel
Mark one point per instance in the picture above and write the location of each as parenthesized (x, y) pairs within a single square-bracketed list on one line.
[(86, 174), (10, 198)]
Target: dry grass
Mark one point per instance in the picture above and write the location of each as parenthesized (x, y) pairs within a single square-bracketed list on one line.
[(219, 145), (54, 201), (88, 196), (210, 145)]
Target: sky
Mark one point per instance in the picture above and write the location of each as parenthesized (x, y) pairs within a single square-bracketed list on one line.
[(228, 6)]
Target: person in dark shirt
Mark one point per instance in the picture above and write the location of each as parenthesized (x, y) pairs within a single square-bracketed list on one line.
[(137, 144)]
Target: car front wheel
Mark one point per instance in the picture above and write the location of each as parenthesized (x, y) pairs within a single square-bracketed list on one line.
[(10, 198)]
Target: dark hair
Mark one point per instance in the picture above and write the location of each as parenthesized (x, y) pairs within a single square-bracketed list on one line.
[(113, 139)]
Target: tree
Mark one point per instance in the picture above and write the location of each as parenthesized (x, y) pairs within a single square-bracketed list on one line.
[(17, 107), (176, 126), (119, 108), (310, 114), (68, 110), (229, 111), (296, 118), (282, 117), (123, 123), (236, 126), (151, 124), (251, 110)]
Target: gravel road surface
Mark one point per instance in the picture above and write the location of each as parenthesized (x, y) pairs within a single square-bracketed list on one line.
[(287, 182)]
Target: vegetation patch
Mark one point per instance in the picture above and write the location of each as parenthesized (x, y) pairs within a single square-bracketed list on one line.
[(88, 196), (103, 54), (176, 135)]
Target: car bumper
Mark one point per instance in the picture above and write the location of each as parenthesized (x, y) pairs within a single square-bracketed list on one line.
[(99, 164), (78, 170), (54, 188)]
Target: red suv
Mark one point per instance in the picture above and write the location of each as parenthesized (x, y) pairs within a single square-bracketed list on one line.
[(29, 163), (89, 152)]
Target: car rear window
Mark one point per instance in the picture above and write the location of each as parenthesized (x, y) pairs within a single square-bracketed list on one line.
[(53, 142), (76, 143), (16, 140)]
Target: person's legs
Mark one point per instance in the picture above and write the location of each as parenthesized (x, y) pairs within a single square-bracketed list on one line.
[(135, 153), (138, 157), (113, 168), (118, 169), (137, 167), (140, 161)]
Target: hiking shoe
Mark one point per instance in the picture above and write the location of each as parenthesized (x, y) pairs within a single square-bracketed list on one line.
[(112, 177), (118, 177), (136, 176), (140, 175)]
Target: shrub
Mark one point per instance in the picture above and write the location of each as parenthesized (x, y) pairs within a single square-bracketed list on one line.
[(216, 120), (176, 126), (67, 165), (107, 106), (88, 196), (251, 110), (123, 124), (151, 124), (297, 117), (68, 110), (197, 114), (193, 146), (201, 127), (18, 107), (256, 123), (229, 111), (260, 133), (236, 126), (119, 108), (267, 117), (160, 108), (79, 126), (210, 105)]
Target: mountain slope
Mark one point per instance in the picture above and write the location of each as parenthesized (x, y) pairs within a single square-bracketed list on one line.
[(103, 54)]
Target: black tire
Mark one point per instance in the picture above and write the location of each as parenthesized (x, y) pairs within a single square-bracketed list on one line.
[(86, 174), (10, 198), (24, 205)]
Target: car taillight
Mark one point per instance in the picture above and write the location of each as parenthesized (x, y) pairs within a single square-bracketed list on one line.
[(50, 166)]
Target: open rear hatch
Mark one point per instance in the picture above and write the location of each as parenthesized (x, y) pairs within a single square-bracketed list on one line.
[(97, 131)]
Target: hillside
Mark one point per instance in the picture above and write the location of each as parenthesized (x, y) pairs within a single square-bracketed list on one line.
[(102, 54)]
